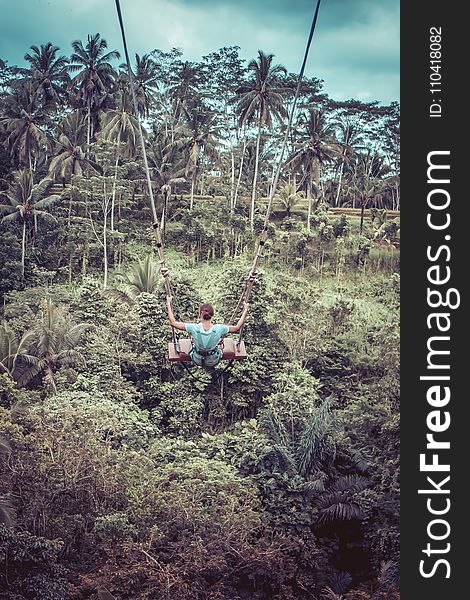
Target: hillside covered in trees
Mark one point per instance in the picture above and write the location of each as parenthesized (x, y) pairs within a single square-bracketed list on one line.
[(123, 476)]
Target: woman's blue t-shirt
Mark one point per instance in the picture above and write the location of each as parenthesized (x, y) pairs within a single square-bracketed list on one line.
[(206, 339)]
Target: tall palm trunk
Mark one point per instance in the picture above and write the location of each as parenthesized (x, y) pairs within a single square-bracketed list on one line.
[(166, 191), (271, 183), (113, 193), (88, 128), (193, 182), (315, 179), (255, 178), (105, 246), (309, 200), (104, 241), (23, 248), (232, 159), (338, 191), (232, 178), (239, 177), (347, 139), (69, 216), (105, 255), (201, 185), (363, 206), (50, 379), (84, 261), (70, 267)]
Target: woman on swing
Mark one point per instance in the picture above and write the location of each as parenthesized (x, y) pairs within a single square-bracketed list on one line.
[(206, 351)]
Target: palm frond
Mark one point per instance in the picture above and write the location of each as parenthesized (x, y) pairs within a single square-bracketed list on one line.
[(350, 483), (12, 217), (312, 487), (328, 594), (104, 594), (116, 294), (4, 445), (30, 359), (73, 334), (277, 433), (341, 502), (314, 444), (333, 509), (47, 202), (71, 358), (40, 189), (7, 512), (29, 372), (339, 582)]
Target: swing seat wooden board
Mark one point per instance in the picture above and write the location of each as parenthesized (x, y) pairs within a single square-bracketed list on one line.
[(230, 350)]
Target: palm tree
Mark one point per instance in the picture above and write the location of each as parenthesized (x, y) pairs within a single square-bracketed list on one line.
[(368, 184), (27, 203), (308, 451), (54, 341), (305, 449), (183, 87), (198, 136), (349, 139), (316, 146), (288, 196), (146, 82), (261, 99), (144, 276), (95, 74), (48, 73), (22, 123), (71, 159), (168, 168), (12, 349), (122, 128)]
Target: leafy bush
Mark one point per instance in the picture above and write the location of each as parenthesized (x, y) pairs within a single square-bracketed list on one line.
[(31, 569)]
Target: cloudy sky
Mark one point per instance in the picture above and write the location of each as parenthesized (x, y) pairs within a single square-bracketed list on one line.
[(355, 49)]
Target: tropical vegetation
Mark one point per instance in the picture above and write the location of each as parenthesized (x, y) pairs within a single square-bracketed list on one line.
[(123, 476)]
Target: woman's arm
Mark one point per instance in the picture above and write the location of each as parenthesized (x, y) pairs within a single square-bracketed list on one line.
[(174, 323), (236, 328)]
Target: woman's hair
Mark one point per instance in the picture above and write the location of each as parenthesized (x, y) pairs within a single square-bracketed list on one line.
[(206, 311)]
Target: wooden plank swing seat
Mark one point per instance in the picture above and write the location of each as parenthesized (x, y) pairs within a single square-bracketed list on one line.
[(231, 350)]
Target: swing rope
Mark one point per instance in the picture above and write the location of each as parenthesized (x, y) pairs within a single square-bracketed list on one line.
[(156, 227), (245, 296)]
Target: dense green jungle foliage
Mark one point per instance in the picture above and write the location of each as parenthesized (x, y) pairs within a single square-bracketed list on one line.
[(121, 476)]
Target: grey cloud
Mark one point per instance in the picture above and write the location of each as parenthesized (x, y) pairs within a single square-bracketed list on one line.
[(356, 45)]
